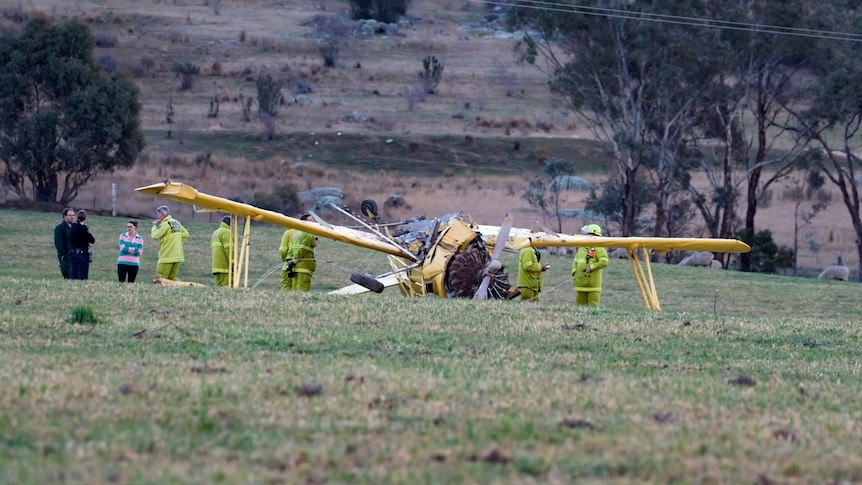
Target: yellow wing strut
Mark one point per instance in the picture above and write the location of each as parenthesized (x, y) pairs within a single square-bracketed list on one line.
[(239, 253), (645, 280)]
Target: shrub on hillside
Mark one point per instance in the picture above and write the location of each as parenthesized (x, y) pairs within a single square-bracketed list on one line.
[(329, 53), (332, 32), (186, 72), (606, 201), (766, 256), (269, 95), (431, 73), (386, 11), (283, 199)]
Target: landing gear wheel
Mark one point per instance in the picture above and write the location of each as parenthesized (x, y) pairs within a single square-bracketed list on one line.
[(369, 208), (367, 281)]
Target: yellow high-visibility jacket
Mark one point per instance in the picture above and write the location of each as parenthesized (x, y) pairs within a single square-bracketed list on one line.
[(171, 236), (595, 258), (220, 245), (285, 244), (529, 269), (301, 249)]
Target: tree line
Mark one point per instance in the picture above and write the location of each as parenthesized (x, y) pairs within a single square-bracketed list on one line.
[(745, 92)]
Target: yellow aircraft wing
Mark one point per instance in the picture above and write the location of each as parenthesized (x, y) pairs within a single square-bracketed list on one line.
[(184, 193), (521, 238), (656, 244)]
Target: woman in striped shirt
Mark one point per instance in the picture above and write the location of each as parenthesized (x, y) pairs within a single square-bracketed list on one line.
[(131, 249)]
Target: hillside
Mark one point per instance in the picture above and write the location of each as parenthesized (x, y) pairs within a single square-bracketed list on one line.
[(363, 125)]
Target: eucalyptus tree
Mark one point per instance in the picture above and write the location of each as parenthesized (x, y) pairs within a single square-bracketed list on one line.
[(718, 143), (804, 187), (61, 116), (834, 121), (545, 193), (768, 66), (634, 80)]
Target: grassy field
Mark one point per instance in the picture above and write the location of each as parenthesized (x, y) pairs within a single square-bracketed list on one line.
[(741, 379)]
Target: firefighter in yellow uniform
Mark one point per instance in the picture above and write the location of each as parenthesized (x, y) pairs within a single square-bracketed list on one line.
[(530, 271), (297, 252), (587, 269), (171, 236), (287, 273), (220, 244)]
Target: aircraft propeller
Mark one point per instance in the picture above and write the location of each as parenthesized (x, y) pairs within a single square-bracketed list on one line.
[(494, 265)]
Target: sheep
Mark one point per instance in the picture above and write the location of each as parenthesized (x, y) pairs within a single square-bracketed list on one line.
[(560, 251), (622, 253), (700, 258), (837, 272), (715, 264)]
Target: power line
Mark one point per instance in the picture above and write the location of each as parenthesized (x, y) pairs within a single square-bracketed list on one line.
[(688, 21), (681, 20)]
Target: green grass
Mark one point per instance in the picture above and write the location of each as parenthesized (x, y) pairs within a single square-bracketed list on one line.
[(83, 315), (208, 385)]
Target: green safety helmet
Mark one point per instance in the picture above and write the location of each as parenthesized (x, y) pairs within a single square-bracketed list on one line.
[(592, 229)]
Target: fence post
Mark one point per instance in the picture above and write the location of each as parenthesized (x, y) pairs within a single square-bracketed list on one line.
[(113, 200)]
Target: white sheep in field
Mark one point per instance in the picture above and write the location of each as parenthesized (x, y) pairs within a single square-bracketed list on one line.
[(715, 264), (700, 258), (837, 272), (621, 253), (560, 251)]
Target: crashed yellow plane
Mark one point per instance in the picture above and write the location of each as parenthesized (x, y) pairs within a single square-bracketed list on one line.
[(447, 257)]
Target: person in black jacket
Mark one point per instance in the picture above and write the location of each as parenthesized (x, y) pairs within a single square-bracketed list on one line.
[(80, 240), (61, 241)]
